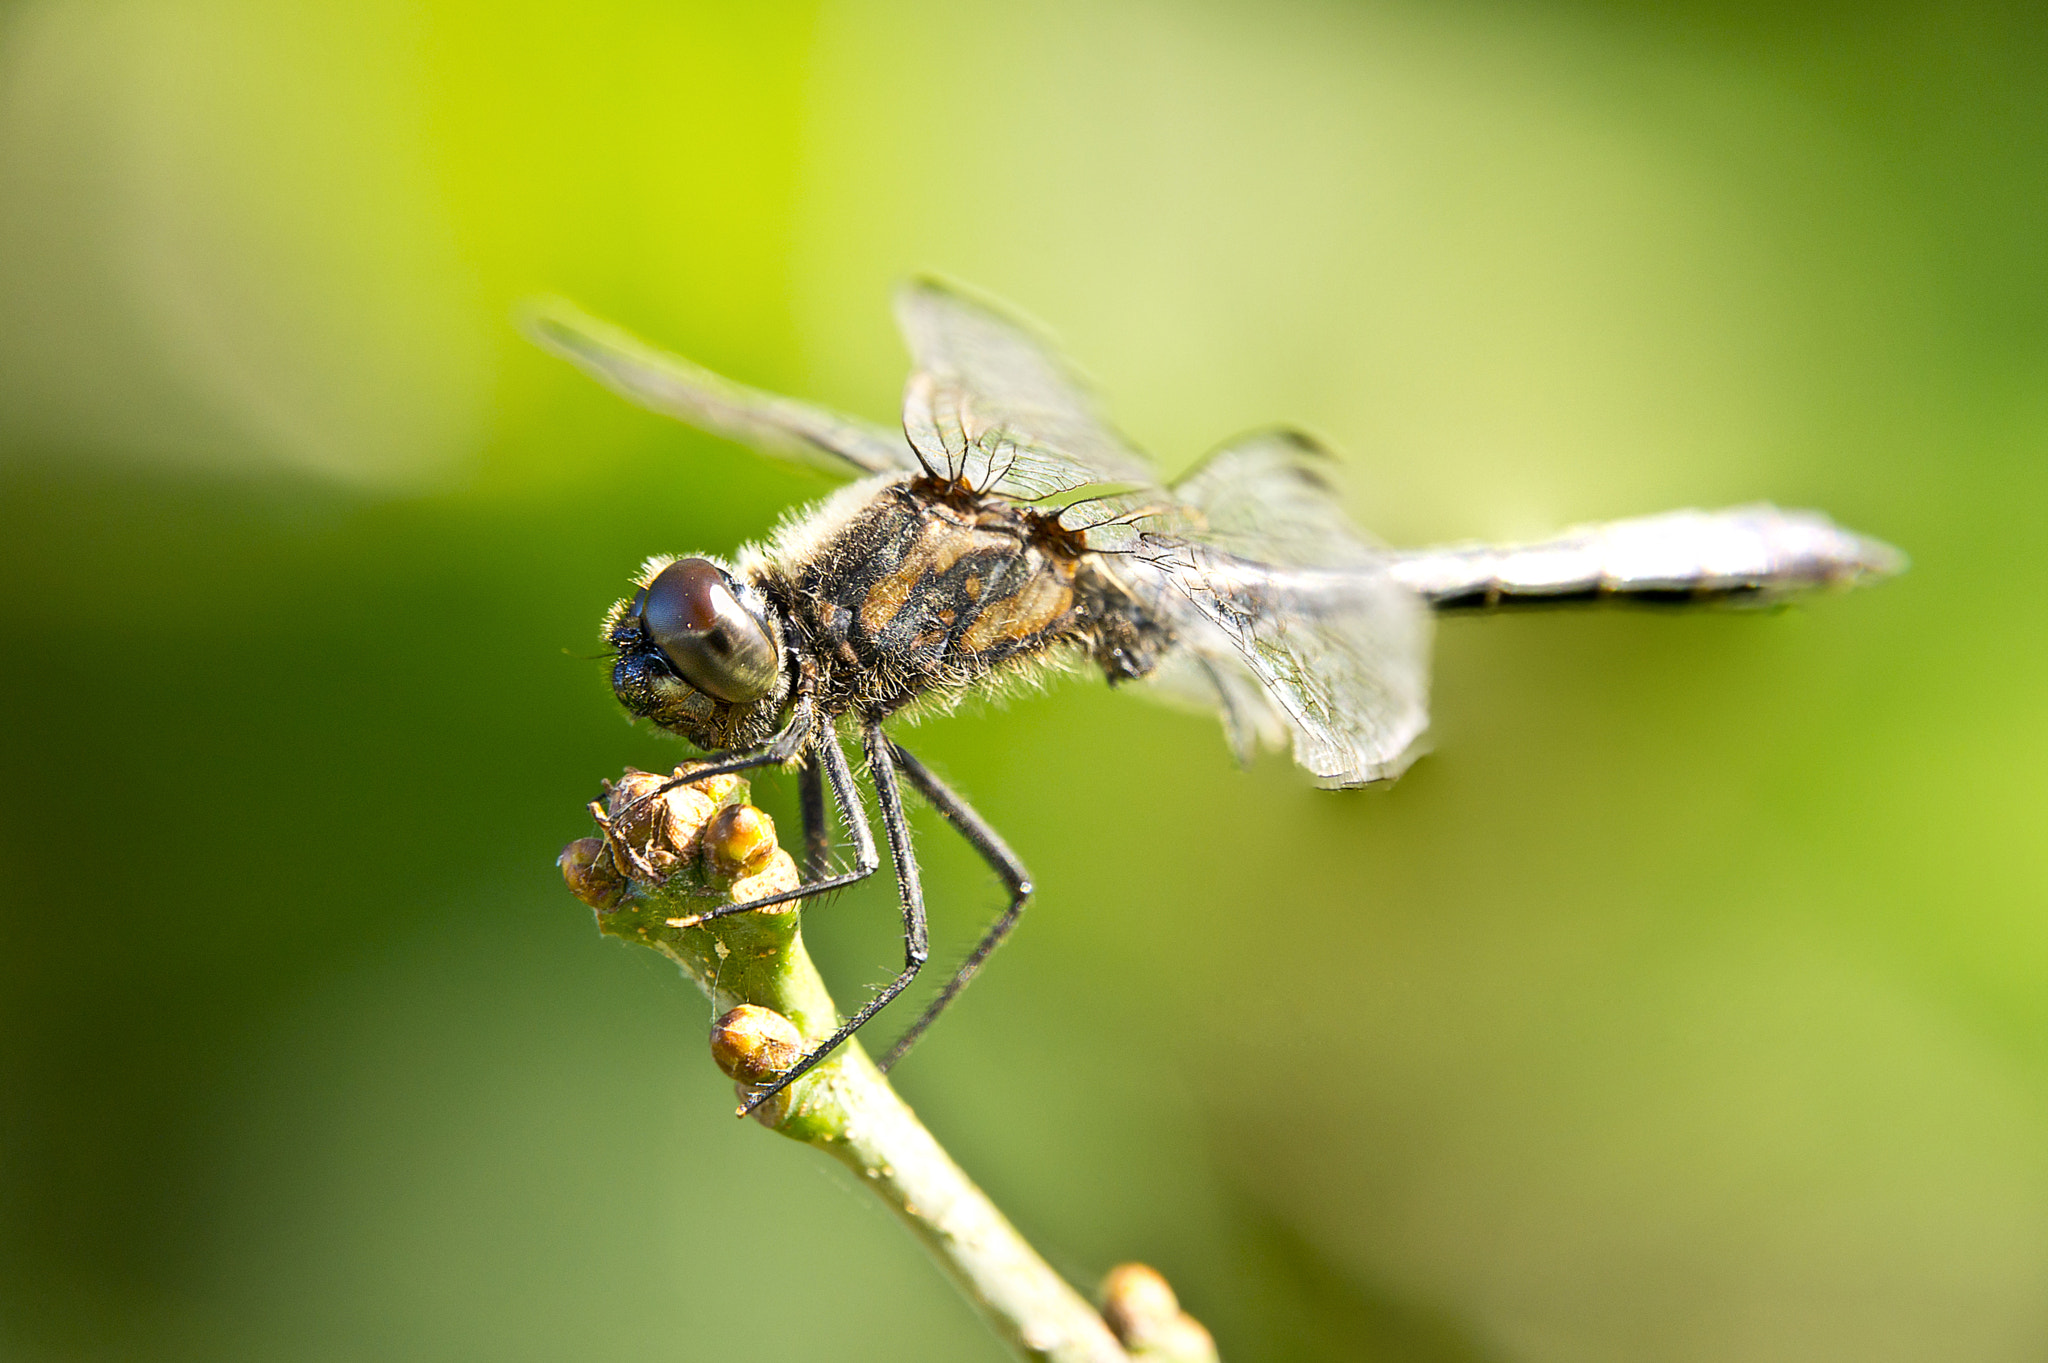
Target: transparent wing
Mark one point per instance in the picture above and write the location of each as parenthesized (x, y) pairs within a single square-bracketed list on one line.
[(1341, 654), (671, 385), (994, 404), (1286, 619), (1267, 496), (1205, 673)]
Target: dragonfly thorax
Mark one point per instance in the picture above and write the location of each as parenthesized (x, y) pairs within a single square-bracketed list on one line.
[(925, 589)]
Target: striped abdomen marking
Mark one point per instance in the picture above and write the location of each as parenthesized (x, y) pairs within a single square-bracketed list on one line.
[(963, 588), (925, 591), (1755, 553)]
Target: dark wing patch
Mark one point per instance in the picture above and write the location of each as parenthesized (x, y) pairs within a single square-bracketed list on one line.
[(673, 386)]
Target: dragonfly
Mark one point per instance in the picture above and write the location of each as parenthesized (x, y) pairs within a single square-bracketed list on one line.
[(1008, 527)]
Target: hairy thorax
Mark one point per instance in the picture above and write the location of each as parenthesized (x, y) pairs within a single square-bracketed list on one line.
[(928, 588)]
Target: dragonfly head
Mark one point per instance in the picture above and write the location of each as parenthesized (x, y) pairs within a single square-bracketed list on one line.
[(699, 653)]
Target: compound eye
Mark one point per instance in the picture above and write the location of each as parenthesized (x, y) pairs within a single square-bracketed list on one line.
[(692, 615)]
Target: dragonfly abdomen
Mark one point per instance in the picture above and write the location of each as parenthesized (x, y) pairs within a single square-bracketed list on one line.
[(1748, 554)]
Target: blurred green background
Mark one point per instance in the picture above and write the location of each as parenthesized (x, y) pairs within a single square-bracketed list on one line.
[(1690, 1002)]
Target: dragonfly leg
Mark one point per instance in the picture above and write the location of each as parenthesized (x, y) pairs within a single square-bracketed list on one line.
[(986, 841), (916, 943), (827, 754), (817, 833)]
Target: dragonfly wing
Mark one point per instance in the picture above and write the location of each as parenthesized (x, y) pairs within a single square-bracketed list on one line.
[(1267, 496), (665, 383), (993, 403), (1285, 618), (1208, 676), (1342, 654)]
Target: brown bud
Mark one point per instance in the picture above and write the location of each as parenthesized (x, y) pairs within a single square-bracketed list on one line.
[(590, 873), (1146, 1318), (754, 1044), (775, 874), (654, 836), (738, 839)]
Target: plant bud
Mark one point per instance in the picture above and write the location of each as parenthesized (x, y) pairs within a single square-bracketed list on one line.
[(590, 873), (1137, 1302), (653, 836), (738, 839), (754, 1044), (775, 874), (1142, 1312)]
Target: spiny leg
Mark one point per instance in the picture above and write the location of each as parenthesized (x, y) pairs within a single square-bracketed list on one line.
[(908, 890), (866, 859), (993, 850), (817, 833)]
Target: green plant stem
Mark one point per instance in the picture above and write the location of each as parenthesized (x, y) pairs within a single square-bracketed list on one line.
[(845, 1107)]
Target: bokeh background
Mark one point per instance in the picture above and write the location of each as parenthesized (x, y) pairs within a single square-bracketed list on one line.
[(1690, 1002)]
